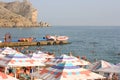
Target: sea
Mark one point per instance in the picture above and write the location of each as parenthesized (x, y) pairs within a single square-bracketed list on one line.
[(94, 42)]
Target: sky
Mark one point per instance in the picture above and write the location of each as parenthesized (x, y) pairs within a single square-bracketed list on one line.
[(78, 12)]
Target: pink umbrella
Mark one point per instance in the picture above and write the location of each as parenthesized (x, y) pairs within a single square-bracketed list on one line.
[(66, 71), (6, 77)]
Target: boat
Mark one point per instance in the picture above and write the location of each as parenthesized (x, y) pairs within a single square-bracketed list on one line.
[(57, 38), (62, 38)]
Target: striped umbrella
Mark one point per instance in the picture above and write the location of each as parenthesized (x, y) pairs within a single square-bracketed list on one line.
[(100, 64), (8, 50), (66, 58), (118, 64), (112, 69), (16, 60), (38, 57), (44, 54), (66, 71), (6, 77)]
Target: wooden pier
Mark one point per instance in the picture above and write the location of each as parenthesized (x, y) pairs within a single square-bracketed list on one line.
[(41, 43)]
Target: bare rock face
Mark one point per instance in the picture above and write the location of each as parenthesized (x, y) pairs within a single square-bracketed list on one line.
[(18, 14), (10, 19)]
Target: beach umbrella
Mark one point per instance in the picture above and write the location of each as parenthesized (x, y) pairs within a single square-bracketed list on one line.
[(8, 50), (18, 60), (38, 57), (66, 58), (66, 71), (44, 54), (1, 50), (6, 77), (100, 64), (1, 55), (112, 69), (118, 64), (39, 52)]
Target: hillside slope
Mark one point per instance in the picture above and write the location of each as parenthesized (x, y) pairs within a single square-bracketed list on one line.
[(18, 14)]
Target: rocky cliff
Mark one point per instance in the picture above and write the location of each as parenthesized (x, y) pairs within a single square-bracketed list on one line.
[(18, 14)]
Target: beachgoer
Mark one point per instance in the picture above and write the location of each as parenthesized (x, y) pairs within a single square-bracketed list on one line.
[(110, 76), (84, 58), (70, 54), (78, 57), (11, 73), (115, 76)]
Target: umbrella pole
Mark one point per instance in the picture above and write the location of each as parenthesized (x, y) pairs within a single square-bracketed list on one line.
[(5, 70), (15, 71), (32, 69), (32, 73), (38, 68)]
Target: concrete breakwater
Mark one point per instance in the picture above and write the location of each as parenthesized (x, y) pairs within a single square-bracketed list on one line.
[(41, 43)]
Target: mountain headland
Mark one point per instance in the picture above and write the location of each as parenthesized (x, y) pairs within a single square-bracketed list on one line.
[(19, 14)]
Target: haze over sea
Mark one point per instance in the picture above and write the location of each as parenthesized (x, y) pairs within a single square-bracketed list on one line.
[(92, 42)]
